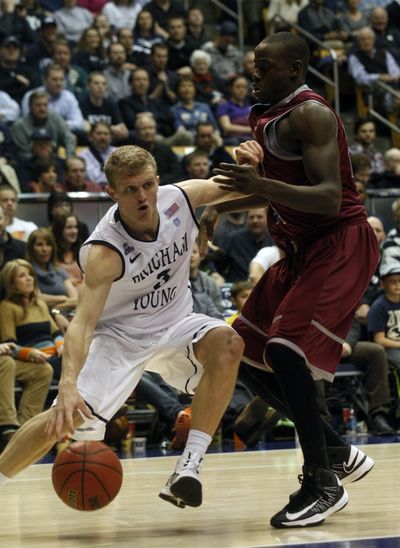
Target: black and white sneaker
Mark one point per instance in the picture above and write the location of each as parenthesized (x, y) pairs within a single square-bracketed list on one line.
[(349, 463), (183, 487), (321, 494)]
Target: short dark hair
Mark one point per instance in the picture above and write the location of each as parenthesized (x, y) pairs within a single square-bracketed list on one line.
[(361, 121), (238, 287), (293, 47)]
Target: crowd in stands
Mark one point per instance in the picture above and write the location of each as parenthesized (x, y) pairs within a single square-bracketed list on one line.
[(78, 80)]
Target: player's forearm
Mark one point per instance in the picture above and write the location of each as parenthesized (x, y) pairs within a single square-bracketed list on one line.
[(76, 347), (241, 204)]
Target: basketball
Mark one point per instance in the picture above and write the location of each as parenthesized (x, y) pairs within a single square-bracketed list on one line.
[(87, 475)]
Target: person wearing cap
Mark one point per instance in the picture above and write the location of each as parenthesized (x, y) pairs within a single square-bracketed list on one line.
[(226, 58), (16, 78), (40, 54)]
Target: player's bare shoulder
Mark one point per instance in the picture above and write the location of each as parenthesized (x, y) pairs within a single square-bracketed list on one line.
[(103, 263), (312, 122)]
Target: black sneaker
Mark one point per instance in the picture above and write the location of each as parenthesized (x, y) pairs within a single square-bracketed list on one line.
[(321, 494), (379, 426), (349, 463)]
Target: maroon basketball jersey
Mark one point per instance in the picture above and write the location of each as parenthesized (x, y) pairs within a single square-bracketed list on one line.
[(287, 226)]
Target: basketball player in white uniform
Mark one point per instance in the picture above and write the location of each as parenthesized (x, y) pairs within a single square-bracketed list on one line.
[(135, 312)]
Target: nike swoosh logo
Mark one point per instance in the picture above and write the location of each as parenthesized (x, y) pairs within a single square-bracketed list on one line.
[(292, 517), (134, 258), (349, 467)]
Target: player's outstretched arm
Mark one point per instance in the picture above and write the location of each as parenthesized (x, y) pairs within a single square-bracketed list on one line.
[(92, 297)]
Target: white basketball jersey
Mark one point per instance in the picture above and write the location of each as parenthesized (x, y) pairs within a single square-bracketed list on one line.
[(153, 291)]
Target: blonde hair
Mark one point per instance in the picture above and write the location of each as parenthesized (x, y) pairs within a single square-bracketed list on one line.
[(128, 160), (8, 277)]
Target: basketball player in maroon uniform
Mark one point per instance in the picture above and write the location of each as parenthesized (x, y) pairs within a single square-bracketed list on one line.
[(298, 315)]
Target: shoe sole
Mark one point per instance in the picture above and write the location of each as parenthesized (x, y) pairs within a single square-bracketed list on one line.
[(315, 520), (169, 497), (360, 472), (188, 490)]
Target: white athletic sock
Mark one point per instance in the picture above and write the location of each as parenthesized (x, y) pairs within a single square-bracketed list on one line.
[(3, 479), (198, 442)]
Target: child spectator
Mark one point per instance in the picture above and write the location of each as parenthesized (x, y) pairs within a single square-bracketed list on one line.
[(240, 292)]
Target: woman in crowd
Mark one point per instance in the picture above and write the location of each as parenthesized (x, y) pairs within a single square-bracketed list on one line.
[(145, 36), (57, 288), (65, 228), (90, 53), (102, 24), (25, 320), (45, 175), (233, 114), (60, 202)]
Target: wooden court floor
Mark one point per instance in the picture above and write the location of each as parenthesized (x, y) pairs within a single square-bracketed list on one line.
[(242, 490)]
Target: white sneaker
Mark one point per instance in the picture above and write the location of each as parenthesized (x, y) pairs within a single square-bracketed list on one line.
[(183, 487)]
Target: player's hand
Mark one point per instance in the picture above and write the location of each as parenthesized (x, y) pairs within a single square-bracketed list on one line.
[(208, 222), (61, 420), (249, 152), (243, 178)]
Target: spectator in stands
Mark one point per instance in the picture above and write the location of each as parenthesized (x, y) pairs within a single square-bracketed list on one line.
[(352, 19), (9, 109), (288, 10), (122, 13), (34, 14), (75, 177), (196, 165), (162, 11), (209, 140), (162, 80), (117, 75), (364, 143), (226, 58), (240, 292), (18, 228), (187, 112), (96, 107), (145, 136), (322, 23), (97, 152), (35, 386), (209, 86), (197, 32), (56, 287), (385, 36), (10, 248), (145, 36), (59, 203), (72, 20), (125, 37), (16, 78), (8, 150), (395, 230), (43, 123), (233, 114), (390, 178), (247, 71), (361, 166), (140, 101), (45, 178), (229, 224), (40, 53), (368, 65), (393, 10), (75, 76), (180, 47), (89, 52), (242, 246), (13, 23), (61, 101), (25, 320), (264, 259), (68, 238)]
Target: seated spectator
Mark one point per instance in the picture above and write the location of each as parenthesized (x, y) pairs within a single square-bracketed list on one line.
[(72, 20), (180, 47), (13, 23), (68, 238), (395, 226), (117, 75), (385, 37), (226, 58), (40, 122), (162, 80), (122, 13), (35, 385), (89, 53), (393, 11), (209, 140), (322, 23), (145, 36), (41, 52), (16, 78), (59, 203), (390, 178), (125, 37), (18, 228), (26, 321), (145, 136), (75, 76), (96, 107), (352, 19), (361, 166), (364, 143), (187, 112), (162, 11), (233, 114), (368, 65), (9, 109), (264, 259), (197, 32), (229, 224), (61, 101), (34, 14), (240, 292), (209, 86), (287, 10), (74, 179), (8, 152), (97, 152), (56, 287), (247, 71), (102, 24), (45, 178), (196, 165), (10, 248)]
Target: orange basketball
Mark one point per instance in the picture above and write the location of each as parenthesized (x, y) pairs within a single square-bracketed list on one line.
[(87, 475)]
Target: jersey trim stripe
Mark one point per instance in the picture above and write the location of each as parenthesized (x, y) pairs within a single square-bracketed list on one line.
[(189, 204)]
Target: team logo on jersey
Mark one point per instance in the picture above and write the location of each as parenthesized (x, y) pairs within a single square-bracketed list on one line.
[(177, 221), (171, 210), (127, 248)]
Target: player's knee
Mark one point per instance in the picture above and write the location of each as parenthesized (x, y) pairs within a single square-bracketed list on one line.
[(231, 351)]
